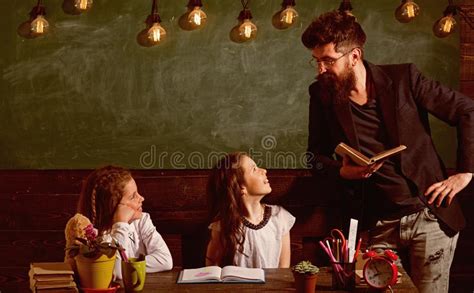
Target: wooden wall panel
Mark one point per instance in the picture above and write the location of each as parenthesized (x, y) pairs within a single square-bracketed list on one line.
[(462, 269), (44, 246), (467, 87), (467, 70), (32, 217), (36, 204)]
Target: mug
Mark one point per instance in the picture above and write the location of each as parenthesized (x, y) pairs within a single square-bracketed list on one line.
[(133, 274)]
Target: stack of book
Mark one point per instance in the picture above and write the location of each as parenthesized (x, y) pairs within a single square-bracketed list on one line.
[(52, 277)]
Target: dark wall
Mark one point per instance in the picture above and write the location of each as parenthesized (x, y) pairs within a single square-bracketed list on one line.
[(87, 94)]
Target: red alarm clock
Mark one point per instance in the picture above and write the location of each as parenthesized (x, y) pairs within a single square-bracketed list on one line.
[(380, 271)]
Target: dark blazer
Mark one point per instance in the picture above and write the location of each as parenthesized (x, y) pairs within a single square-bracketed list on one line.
[(405, 97)]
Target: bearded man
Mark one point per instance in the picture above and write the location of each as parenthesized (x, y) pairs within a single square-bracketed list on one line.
[(407, 202)]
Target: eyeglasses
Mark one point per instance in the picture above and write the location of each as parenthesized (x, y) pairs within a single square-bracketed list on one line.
[(327, 62)]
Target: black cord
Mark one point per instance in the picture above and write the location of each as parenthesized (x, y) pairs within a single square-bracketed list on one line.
[(154, 7), (246, 4), (40, 8)]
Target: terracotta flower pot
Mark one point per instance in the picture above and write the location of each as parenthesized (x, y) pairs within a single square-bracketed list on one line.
[(95, 273), (305, 283)]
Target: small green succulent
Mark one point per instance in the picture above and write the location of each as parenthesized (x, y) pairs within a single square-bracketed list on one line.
[(305, 267)]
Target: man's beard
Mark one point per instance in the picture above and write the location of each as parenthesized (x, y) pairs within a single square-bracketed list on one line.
[(337, 89)]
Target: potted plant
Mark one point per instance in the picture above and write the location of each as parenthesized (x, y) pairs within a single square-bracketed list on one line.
[(94, 258), (305, 276)]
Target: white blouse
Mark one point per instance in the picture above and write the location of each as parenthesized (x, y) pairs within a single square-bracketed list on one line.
[(141, 237), (262, 247)]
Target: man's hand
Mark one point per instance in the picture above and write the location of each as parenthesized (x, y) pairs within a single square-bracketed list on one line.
[(351, 171), (447, 188)]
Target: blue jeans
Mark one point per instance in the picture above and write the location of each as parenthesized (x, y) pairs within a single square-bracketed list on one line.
[(426, 252)]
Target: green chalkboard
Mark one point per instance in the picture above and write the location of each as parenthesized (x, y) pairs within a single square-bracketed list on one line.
[(87, 94)]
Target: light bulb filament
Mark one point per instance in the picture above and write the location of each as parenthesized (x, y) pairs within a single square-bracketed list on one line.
[(39, 25), (83, 4), (156, 35), (197, 19), (410, 10), (448, 24), (247, 30), (288, 17)]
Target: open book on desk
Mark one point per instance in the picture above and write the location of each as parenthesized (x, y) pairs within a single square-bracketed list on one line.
[(361, 160), (227, 274)]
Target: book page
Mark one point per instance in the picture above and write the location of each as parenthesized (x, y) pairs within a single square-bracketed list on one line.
[(51, 268), (65, 283), (57, 286), (234, 273), (360, 159), (357, 157), (201, 274), (43, 278), (387, 153)]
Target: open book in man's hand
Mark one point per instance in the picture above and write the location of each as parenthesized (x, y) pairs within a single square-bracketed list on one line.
[(227, 274), (358, 158)]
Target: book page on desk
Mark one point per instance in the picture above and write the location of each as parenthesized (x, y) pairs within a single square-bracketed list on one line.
[(204, 274), (241, 274)]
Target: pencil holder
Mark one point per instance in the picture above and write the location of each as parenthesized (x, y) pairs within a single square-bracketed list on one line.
[(343, 275)]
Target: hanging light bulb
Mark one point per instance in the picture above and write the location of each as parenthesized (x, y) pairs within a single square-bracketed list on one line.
[(246, 30), (83, 5), (194, 18), (39, 25), (286, 16), (197, 17), (154, 33), (446, 25), (407, 11)]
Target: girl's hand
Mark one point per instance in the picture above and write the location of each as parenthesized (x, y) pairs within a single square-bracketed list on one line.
[(124, 213), (130, 206)]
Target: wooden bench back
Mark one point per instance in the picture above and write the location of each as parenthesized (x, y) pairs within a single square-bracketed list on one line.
[(35, 206)]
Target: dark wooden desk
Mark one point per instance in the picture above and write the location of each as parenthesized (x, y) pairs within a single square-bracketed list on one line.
[(277, 280)]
